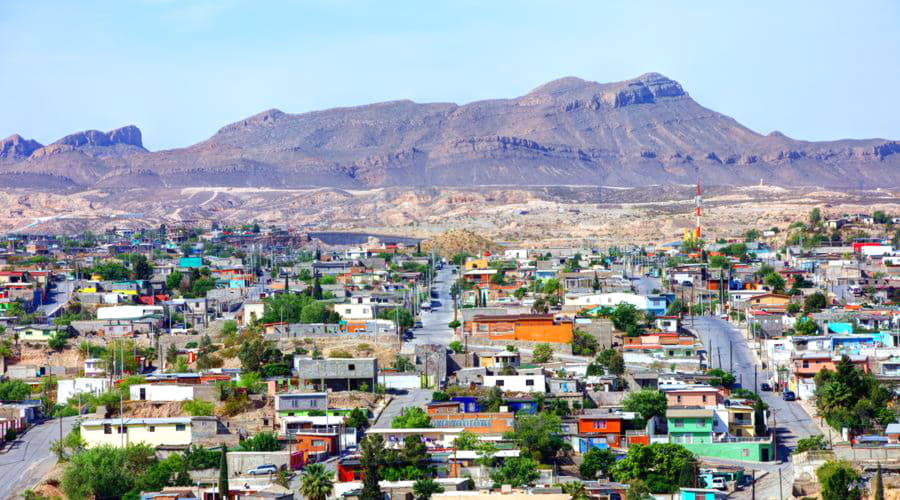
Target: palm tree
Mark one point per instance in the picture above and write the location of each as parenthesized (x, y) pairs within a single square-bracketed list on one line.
[(576, 490), (316, 483)]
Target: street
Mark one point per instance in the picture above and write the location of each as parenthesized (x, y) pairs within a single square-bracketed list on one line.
[(411, 398), (27, 460), (789, 420), (56, 298), (434, 323)]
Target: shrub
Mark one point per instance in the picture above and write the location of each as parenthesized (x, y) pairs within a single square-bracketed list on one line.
[(198, 408), (340, 353)]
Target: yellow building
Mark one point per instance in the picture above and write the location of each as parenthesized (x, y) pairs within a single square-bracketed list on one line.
[(476, 264), (741, 421), (156, 432), (36, 333)]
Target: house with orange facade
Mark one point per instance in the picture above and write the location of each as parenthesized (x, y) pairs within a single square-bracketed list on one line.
[(317, 446), (804, 367), (522, 327), (606, 429)]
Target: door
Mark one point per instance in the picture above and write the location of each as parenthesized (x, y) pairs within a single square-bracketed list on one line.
[(143, 396), (765, 455)]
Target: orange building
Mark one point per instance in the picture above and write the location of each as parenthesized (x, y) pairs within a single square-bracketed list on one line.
[(525, 327), (443, 408), (315, 443), (477, 423), (694, 396)]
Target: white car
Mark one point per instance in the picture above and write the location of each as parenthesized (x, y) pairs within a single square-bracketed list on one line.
[(262, 470)]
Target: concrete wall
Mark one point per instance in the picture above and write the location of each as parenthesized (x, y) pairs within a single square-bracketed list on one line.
[(162, 392), (239, 462), (750, 451), (69, 388), (335, 368)]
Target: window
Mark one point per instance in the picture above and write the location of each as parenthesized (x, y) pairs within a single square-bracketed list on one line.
[(529, 382), (677, 399), (151, 428), (599, 424), (745, 452), (679, 422), (107, 429), (179, 427), (351, 367), (805, 364), (318, 443), (704, 398), (121, 429), (499, 383), (313, 403)]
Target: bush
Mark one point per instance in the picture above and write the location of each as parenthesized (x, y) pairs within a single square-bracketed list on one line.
[(190, 345), (340, 353), (10, 434), (811, 443), (264, 441), (542, 353), (198, 408), (457, 347), (412, 418)]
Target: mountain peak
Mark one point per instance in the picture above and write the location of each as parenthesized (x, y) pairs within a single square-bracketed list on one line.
[(16, 146), (129, 135)]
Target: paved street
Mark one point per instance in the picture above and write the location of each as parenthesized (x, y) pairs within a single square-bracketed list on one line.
[(410, 399), (27, 460), (434, 323), (57, 297), (723, 341)]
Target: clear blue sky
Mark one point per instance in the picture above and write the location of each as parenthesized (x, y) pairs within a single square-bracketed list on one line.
[(180, 69)]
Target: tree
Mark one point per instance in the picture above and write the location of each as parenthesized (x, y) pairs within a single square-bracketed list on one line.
[(583, 343), (411, 418), (264, 441), (14, 390), (453, 325), (879, 484), (538, 435), (721, 378), (596, 461), (647, 403), (542, 353), (466, 441), (396, 314), (357, 419), (173, 280), (623, 316), (576, 490), (98, 472), (839, 481), (661, 465), (424, 488), (372, 458), (141, 268), (638, 490), (805, 326), (815, 216), (775, 281), (719, 262), (200, 286), (316, 482), (456, 346), (516, 472), (223, 474), (57, 341), (814, 303)]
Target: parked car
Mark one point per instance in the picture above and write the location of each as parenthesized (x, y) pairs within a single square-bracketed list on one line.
[(789, 396), (765, 387), (719, 483), (418, 324), (262, 470)]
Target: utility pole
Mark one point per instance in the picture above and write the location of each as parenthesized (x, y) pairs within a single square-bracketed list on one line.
[(719, 351), (731, 357)]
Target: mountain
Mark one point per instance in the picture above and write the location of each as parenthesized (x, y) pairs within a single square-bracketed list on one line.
[(643, 131)]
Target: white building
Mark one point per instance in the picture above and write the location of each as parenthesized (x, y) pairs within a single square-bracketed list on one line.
[(355, 311), (69, 388), (517, 383), (125, 313), (161, 392)]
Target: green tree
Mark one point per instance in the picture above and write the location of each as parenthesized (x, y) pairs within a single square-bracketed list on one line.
[(638, 490), (424, 488), (456, 346), (357, 419), (466, 441), (583, 343), (538, 435), (141, 268), (58, 340), (453, 325), (403, 315), (839, 481), (815, 216), (721, 378), (775, 281), (647, 403), (816, 442), (516, 472), (879, 484), (806, 326), (316, 482), (411, 418), (173, 280), (814, 302), (623, 316), (596, 461), (14, 390), (719, 262), (223, 474), (576, 490), (660, 465), (264, 441), (542, 353), (198, 408), (372, 458)]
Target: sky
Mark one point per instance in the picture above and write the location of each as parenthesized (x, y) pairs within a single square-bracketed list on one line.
[(182, 69)]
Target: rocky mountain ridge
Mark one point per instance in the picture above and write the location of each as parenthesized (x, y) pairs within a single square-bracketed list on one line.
[(642, 131)]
